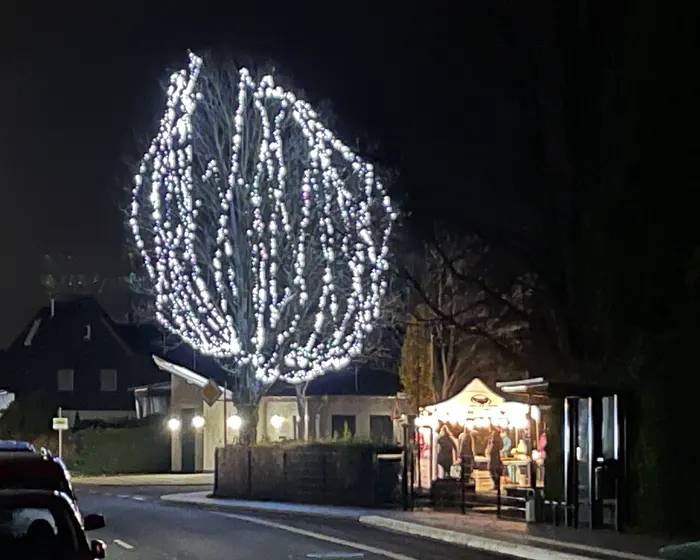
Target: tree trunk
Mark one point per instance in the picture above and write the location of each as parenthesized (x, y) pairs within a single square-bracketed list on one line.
[(303, 411), (249, 426)]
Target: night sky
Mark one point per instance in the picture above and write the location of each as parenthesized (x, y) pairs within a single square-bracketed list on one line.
[(431, 88)]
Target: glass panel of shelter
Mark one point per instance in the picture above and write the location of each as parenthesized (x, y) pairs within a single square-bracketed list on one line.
[(592, 448)]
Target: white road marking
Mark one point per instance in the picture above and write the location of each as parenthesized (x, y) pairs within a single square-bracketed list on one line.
[(123, 544), (123, 496), (317, 536), (138, 498), (335, 555)]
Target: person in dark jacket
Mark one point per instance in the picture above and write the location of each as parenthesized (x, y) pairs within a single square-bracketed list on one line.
[(493, 455), (446, 449)]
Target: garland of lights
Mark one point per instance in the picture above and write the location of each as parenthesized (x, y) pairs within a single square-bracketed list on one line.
[(314, 250)]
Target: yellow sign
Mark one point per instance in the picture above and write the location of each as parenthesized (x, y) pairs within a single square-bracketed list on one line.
[(210, 392)]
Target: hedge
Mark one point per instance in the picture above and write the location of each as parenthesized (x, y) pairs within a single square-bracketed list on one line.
[(144, 449)]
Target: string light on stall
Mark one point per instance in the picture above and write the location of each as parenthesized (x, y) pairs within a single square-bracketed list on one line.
[(309, 235)]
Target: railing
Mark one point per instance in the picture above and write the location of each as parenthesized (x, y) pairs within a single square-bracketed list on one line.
[(459, 493)]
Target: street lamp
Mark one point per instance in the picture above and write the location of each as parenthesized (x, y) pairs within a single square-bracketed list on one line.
[(198, 422), (234, 422), (174, 424), (276, 421)]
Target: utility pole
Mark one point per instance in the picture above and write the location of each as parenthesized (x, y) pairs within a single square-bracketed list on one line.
[(431, 347), (60, 436), (225, 418)]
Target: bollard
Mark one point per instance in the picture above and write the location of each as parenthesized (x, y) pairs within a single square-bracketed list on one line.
[(530, 511)]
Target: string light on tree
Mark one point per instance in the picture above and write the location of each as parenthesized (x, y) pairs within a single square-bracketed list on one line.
[(265, 237)]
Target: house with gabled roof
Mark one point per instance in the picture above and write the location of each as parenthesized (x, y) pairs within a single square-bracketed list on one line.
[(357, 402), (73, 351)]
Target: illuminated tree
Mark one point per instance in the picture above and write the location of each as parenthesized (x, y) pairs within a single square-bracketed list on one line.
[(264, 236)]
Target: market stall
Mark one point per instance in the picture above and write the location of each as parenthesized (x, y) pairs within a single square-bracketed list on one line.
[(466, 425)]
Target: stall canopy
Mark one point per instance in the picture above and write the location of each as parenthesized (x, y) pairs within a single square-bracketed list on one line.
[(476, 405)]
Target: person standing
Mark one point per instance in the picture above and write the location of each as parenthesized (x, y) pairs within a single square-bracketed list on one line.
[(465, 446), (494, 464), (446, 449)]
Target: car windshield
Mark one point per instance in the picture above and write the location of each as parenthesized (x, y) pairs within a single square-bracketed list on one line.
[(35, 483), (37, 532)]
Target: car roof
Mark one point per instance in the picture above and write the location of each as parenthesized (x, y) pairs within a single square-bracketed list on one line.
[(29, 463), (14, 445)]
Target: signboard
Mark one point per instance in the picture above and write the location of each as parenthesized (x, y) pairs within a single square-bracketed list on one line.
[(424, 457), (480, 399), (210, 392), (60, 424)]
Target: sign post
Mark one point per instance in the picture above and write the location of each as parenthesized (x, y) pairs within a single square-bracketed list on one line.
[(59, 424), (225, 417)]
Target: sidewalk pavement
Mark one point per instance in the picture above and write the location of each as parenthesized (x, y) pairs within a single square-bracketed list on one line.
[(175, 479), (477, 531)]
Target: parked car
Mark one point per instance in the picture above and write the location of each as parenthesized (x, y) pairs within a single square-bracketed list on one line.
[(12, 446), (35, 471), (46, 524)]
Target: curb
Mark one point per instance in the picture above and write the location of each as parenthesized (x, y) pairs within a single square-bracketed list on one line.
[(202, 499), (204, 479), (483, 544), (685, 551), (511, 549)]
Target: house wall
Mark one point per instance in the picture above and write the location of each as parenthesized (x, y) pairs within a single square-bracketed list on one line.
[(361, 407), (105, 415), (215, 419), (184, 396), (286, 407), (321, 412)]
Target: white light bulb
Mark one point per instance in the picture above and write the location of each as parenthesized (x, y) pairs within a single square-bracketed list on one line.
[(234, 422), (198, 422), (276, 421), (174, 424)]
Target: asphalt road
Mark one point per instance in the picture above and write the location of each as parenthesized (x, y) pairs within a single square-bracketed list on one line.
[(141, 527)]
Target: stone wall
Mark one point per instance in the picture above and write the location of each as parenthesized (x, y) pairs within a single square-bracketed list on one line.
[(332, 474)]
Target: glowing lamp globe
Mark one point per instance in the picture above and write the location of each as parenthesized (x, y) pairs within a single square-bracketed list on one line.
[(234, 422), (276, 421)]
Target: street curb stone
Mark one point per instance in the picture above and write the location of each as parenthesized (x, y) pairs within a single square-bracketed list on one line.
[(204, 499), (505, 548)]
